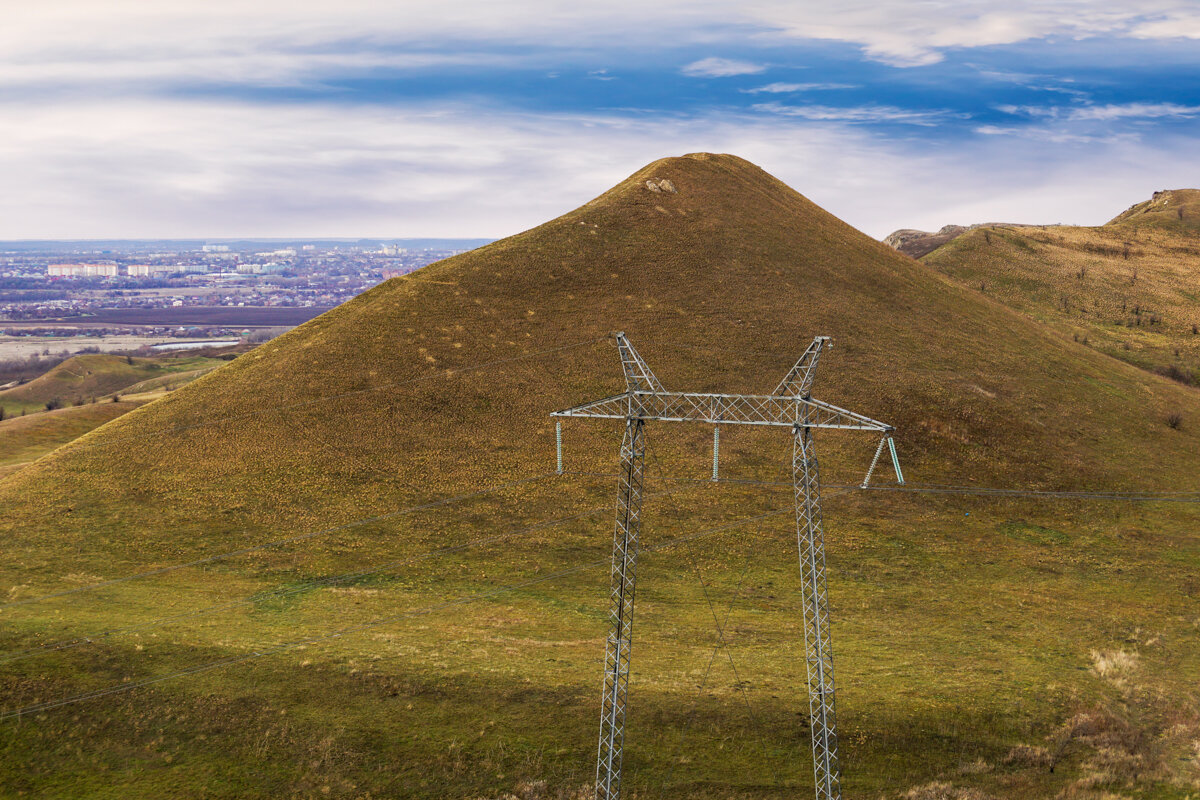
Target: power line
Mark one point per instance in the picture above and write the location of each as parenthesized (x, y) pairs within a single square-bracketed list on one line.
[(224, 662), (720, 625), (286, 591), (279, 542), (447, 373), (1145, 497), (1134, 497)]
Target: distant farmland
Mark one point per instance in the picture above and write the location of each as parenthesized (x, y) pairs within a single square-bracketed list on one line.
[(223, 316)]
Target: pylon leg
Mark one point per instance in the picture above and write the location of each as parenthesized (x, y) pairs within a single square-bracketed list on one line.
[(620, 636), (818, 646)]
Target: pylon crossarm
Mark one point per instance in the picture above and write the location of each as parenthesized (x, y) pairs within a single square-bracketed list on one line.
[(725, 409), (799, 380), (638, 375)]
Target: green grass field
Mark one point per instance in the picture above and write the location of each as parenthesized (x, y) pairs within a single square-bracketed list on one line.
[(986, 647)]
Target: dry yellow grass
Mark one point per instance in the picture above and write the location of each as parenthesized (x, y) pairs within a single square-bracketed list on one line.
[(1130, 290)]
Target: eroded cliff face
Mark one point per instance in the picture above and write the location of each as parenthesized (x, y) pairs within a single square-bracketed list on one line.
[(916, 243)]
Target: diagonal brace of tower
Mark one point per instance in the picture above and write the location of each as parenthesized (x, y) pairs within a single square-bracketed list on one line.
[(790, 406)]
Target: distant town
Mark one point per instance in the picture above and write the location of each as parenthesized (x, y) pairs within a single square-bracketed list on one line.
[(118, 295)]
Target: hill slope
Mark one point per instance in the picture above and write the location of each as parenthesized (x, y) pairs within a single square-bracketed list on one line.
[(1128, 288), (1172, 209), (962, 639), (84, 378), (24, 439)]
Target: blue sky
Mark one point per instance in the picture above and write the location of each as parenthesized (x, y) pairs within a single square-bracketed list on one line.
[(348, 118)]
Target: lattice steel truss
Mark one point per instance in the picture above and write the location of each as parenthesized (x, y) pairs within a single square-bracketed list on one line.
[(790, 406)]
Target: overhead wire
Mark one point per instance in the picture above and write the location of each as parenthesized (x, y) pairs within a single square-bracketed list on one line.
[(445, 373), (279, 542), (287, 591), (35, 708), (1145, 497)]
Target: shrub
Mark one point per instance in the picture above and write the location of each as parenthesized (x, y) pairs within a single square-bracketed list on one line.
[(1174, 420), (51, 405), (1173, 372)]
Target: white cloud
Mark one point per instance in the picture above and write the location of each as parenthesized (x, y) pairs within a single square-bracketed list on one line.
[(791, 88), (1048, 134), (858, 114), (721, 68), (143, 68), (1133, 111), (1103, 113), (204, 169), (1182, 24), (64, 38)]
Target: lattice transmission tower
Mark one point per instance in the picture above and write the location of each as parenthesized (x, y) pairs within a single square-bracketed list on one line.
[(789, 406)]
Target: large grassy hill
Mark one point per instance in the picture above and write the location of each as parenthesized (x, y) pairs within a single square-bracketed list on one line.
[(986, 647)]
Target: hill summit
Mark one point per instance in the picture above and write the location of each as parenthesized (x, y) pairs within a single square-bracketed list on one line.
[(1175, 209)]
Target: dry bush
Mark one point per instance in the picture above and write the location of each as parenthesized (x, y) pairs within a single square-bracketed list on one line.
[(540, 790), (1024, 755), (1114, 665), (939, 790)]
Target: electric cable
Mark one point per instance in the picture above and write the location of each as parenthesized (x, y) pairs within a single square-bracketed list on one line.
[(231, 660), (446, 373), (279, 542), (1137, 497)]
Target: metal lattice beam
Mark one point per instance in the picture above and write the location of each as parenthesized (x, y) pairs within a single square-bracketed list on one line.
[(818, 647), (725, 409), (620, 614), (798, 381), (790, 406)]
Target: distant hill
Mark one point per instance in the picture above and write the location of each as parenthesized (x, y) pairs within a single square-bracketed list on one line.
[(25, 439), (89, 377), (1130, 288), (987, 647), (918, 244), (1172, 209)]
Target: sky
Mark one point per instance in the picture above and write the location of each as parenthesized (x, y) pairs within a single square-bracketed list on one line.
[(482, 118)]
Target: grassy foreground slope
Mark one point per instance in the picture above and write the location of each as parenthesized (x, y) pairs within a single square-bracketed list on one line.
[(986, 648)]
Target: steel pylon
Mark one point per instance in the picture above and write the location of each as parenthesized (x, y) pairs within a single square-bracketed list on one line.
[(620, 614), (791, 405)]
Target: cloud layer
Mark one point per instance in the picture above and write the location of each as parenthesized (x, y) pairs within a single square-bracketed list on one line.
[(351, 117), (292, 37), (177, 169)]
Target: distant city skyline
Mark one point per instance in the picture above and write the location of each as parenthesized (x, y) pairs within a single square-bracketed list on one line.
[(317, 119)]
